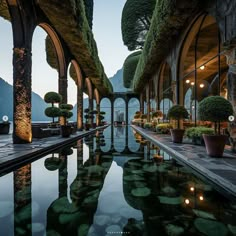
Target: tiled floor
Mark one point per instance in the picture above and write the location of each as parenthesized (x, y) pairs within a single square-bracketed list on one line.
[(220, 171)]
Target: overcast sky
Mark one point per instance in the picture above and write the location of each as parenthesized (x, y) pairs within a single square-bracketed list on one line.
[(107, 33)]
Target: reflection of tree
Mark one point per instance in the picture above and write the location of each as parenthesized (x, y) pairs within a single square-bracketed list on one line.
[(74, 218)]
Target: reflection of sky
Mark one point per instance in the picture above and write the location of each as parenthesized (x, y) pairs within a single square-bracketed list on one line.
[(111, 201)]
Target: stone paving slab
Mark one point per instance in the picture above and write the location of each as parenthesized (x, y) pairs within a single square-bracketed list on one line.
[(220, 171), (15, 154)]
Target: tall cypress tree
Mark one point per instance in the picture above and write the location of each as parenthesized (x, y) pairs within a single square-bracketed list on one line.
[(135, 22), (89, 11)]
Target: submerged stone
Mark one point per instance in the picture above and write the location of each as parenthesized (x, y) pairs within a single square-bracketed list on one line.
[(71, 217), (168, 190), (141, 192)]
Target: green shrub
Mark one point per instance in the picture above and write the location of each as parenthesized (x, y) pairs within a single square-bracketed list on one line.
[(164, 128), (197, 132), (148, 125), (52, 97), (215, 109), (177, 112)]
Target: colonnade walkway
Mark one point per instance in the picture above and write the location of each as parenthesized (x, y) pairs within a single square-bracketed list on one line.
[(221, 172), (12, 155)]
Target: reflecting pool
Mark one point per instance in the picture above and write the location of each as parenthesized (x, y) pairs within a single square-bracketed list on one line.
[(111, 183)]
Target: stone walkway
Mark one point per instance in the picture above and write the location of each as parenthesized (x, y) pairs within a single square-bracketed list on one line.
[(12, 155), (219, 171)]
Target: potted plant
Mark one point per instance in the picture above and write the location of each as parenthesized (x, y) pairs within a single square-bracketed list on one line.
[(195, 134), (177, 112), (102, 117), (52, 98), (215, 109), (65, 112)]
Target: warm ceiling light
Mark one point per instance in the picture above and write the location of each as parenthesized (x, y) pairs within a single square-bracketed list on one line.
[(201, 198), (192, 83), (187, 201), (187, 81), (201, 85), (192, 189), (202, 67)]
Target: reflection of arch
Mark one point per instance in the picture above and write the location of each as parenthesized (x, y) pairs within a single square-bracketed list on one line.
[(120, 110), (133, 106)]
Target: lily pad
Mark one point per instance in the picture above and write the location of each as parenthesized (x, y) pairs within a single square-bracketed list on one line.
[(210, 227), (170, 200), (168, 190), (62, 205), (139, 184), (204, 214), (141, 192), (133, 178), (137, 171), (174, 230), (95, 169), (232, 228), (150, 169)]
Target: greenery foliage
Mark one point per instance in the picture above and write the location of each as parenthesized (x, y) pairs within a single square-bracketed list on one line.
[(129, 68), (148, 125), (168, 19), (89, 11), (197, 132), (65, 112), (52, 97), (79, 38), (135, 22), (163, 128), (215, 109), (52, 112), (177, 112)]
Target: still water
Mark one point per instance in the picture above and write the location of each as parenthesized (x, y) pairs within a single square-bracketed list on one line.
[(98, 189)]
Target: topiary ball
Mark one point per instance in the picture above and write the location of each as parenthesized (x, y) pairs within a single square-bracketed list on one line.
[(215, 109), (52, 111), (52, 97), (177, 112)]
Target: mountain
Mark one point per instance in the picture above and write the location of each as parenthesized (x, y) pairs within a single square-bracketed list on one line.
[(117, 82), (6, 103)]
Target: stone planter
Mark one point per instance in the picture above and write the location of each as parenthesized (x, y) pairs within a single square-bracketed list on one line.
[(4, 128), (66, 131)]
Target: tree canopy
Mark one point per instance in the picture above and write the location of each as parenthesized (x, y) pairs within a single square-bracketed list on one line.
[(129, 66), (135, 22)]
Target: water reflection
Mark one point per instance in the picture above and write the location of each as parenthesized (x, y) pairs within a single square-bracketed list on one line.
[(80, 190)]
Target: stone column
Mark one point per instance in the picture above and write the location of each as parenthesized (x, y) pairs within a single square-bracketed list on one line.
[(22, 63), (112, 124), (148, 102), (98, 115), (141, 103), (231, 88), (62, 88), (79, 108)]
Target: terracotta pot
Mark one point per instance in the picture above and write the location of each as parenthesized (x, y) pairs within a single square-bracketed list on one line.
[(177, 135), (215, 144)]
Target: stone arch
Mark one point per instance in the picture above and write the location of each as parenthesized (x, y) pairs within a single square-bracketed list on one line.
[(77, 76)]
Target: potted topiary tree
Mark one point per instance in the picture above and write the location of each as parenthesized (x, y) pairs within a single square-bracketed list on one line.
[(215, 109), (177, 112), (52, 97), (65, 112)]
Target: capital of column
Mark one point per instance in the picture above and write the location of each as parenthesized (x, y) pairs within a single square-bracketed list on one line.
[(21, 52)]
